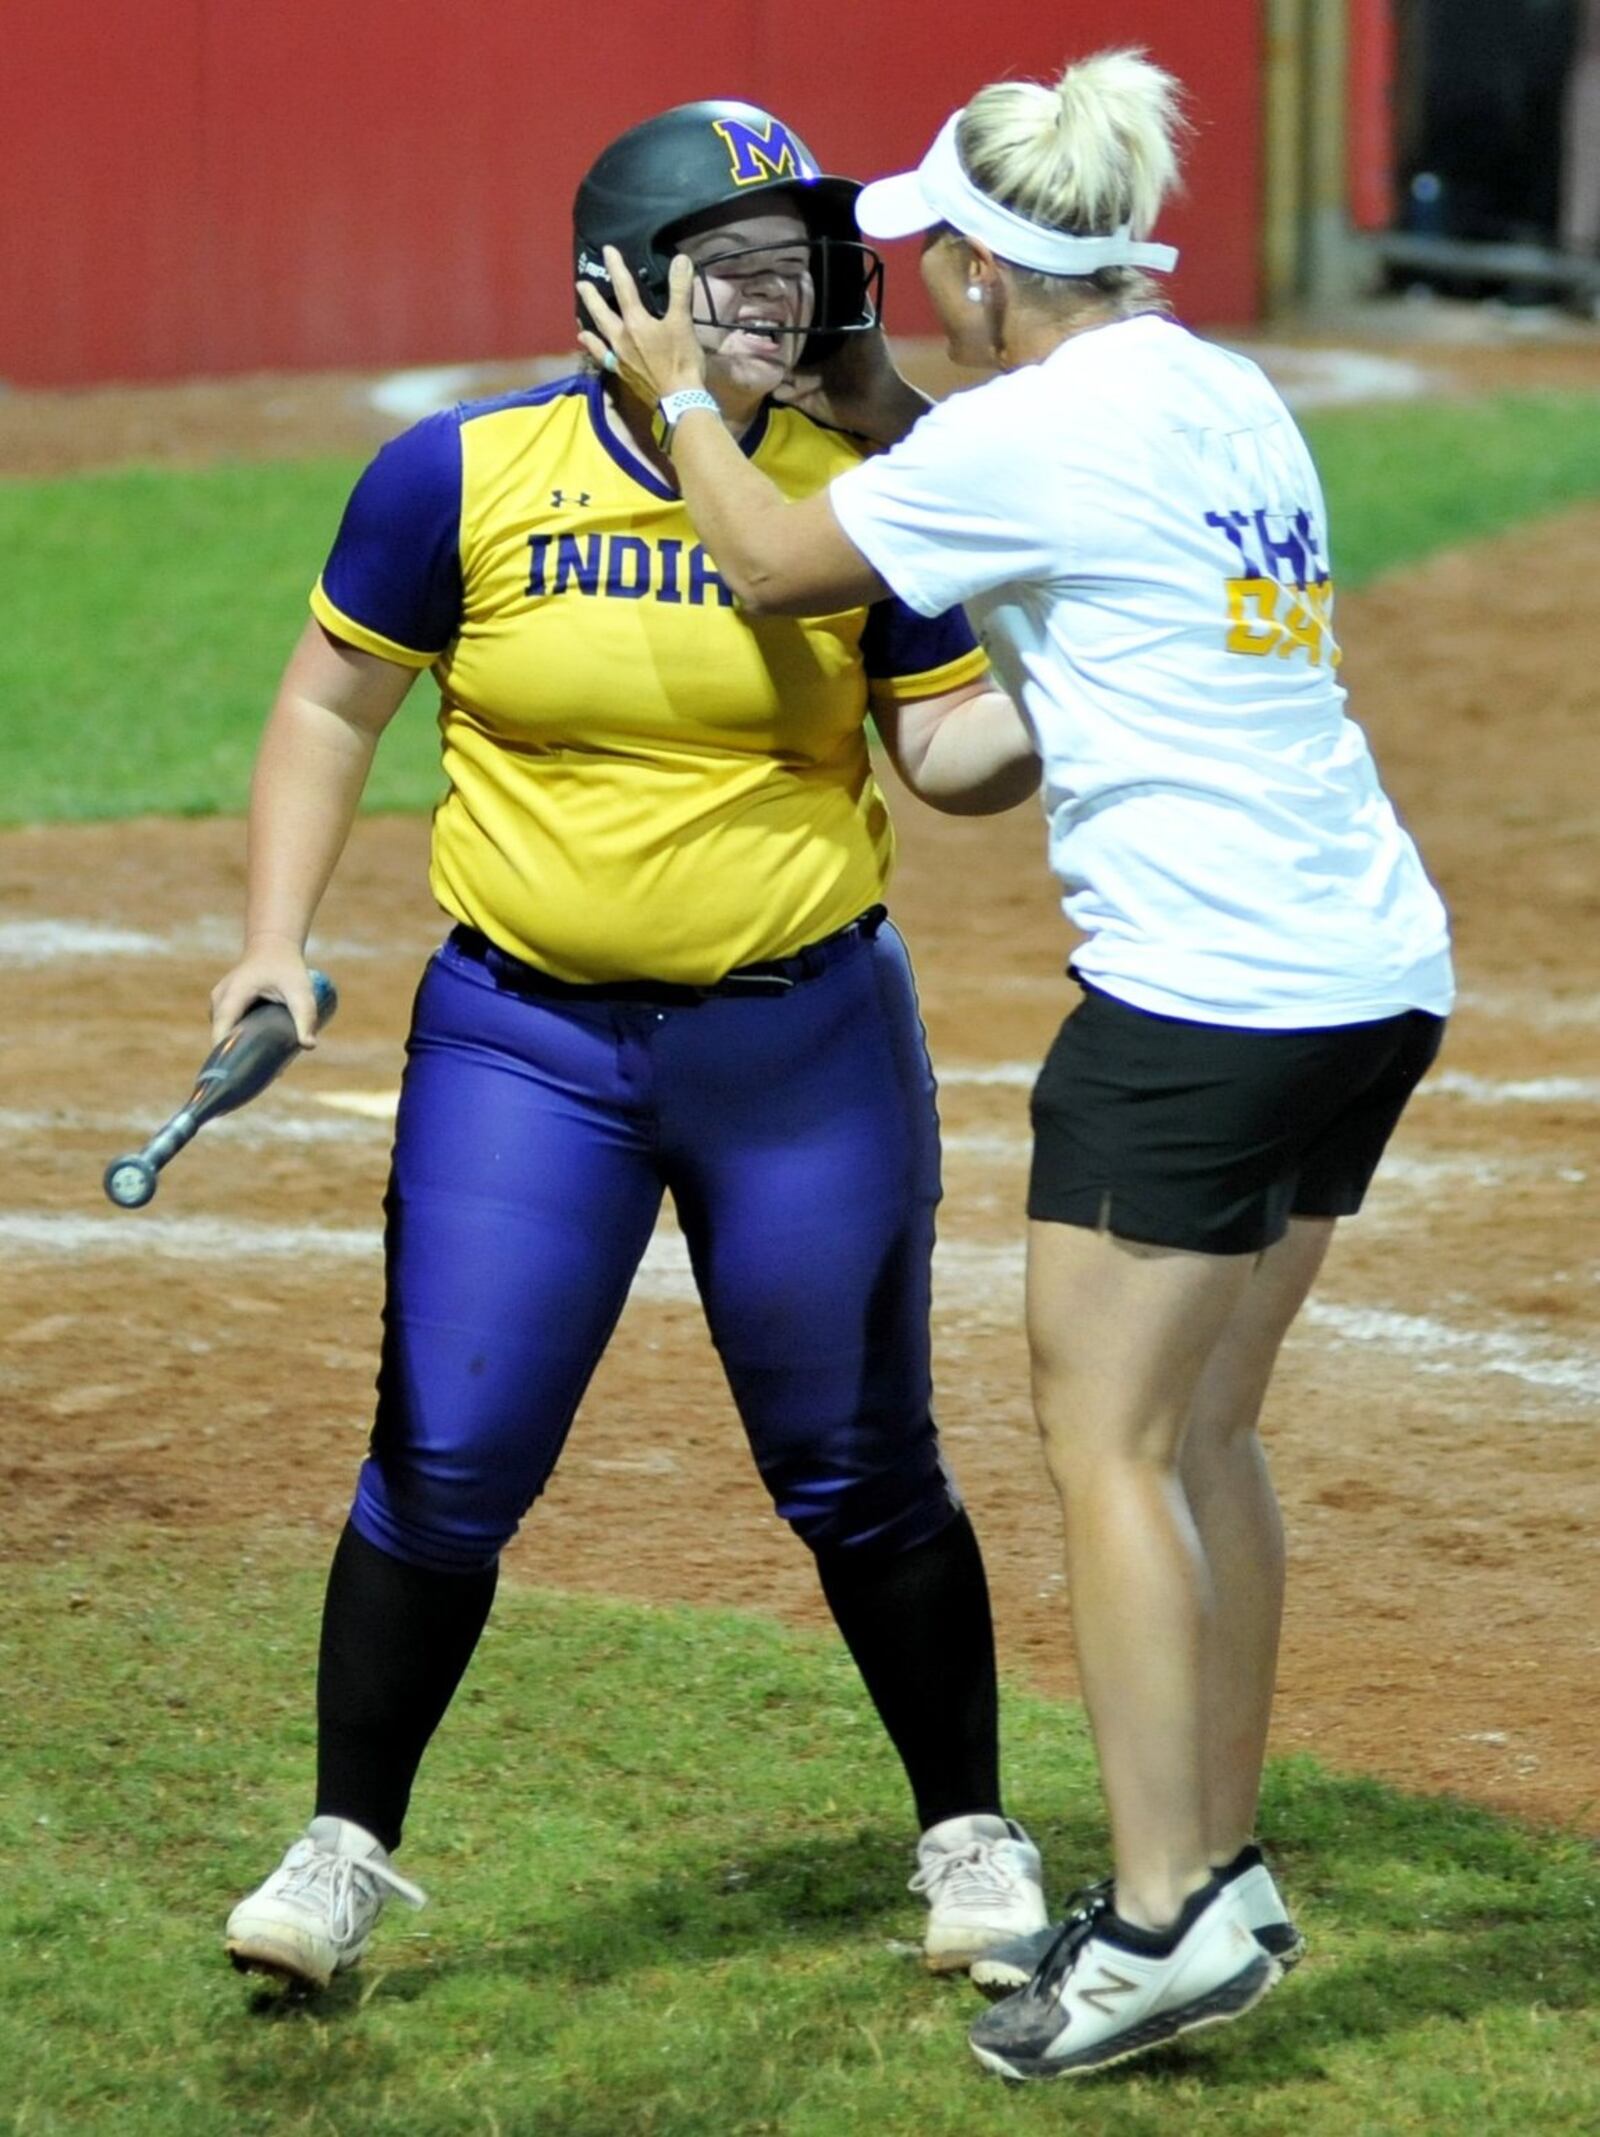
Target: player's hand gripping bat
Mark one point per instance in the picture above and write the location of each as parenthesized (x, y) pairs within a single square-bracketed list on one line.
[(235, 1071)]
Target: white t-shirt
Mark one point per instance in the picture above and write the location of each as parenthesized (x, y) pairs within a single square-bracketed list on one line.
[(1138, 534)]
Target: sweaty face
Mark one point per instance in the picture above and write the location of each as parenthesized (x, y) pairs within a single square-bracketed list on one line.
[(754, 297)]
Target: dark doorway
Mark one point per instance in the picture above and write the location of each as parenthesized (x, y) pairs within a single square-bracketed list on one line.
[(1479, 95)]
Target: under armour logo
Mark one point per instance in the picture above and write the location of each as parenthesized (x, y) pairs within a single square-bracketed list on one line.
[(1109, 1985), (559, 497)]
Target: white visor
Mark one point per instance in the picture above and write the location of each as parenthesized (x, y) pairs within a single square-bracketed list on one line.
[(939, 191)]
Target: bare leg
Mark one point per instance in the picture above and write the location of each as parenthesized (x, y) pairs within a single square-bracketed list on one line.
[(1235, 1511), (1120, 1337)]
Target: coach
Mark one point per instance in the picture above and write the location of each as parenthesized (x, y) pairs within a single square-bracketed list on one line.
[(1136, 528)]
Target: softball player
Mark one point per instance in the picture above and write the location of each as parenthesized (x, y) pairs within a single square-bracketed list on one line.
[(1136, 527), (670, 971)]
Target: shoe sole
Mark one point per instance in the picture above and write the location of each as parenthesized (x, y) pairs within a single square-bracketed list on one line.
[(259, 1955), (999, 1974), (1229, 2001)]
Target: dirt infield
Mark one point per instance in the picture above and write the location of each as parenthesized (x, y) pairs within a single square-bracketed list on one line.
[(199, 1373)]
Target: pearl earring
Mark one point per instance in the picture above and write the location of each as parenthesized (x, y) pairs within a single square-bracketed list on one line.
[(974, 293)]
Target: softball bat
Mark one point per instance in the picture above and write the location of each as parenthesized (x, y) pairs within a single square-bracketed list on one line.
[(239, 1068)]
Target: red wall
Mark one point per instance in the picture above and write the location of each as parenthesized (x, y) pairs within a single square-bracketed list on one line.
[(204, 186), (1369, 141)]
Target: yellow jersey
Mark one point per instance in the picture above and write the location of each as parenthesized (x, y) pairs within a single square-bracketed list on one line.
[(643, 780)]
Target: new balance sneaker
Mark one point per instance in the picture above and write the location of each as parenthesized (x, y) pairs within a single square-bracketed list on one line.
[(315, 1913), (1009, 1966), (1106, 1991), (1263, 1906), (984, 1886)]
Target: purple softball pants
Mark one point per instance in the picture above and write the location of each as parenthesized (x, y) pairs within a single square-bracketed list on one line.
[(797, 1136)]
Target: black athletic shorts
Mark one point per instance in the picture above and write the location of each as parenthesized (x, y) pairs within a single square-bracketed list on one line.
[(1211, 1137)]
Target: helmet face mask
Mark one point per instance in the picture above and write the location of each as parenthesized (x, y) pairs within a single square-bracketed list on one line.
[(749, 268), (700, 165)]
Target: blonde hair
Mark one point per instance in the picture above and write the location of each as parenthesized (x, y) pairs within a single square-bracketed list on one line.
[(1096, 150)]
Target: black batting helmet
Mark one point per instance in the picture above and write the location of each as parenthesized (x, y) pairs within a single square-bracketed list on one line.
[(678, 168)]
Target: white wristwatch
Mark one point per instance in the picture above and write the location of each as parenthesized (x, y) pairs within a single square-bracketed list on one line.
[(673, 407)]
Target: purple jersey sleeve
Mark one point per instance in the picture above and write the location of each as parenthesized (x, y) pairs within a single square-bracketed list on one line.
[(395, 566), (897, 643)]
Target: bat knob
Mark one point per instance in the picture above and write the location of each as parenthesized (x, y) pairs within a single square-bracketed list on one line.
[(130, 1182), (327, 996)]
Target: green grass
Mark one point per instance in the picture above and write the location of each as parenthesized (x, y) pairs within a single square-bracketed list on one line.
[(149, 612), (1406, 479), (667, 1852)]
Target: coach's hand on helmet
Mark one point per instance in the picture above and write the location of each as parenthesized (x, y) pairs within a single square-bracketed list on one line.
[(651, 356)]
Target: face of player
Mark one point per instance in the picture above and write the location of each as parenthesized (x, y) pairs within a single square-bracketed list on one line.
[(753, 278)]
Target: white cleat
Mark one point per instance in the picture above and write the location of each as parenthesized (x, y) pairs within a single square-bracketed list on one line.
[(1011, 1966), (1264, 1910), (1095, 2000), (315, 1914), (984, 1887)]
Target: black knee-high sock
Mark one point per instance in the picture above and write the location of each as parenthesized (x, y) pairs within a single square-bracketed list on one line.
[(918, 1624), (396, 1640)]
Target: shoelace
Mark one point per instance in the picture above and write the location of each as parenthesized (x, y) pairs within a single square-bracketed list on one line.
[(334, 1880), (972, 1874), (1084, 1910)]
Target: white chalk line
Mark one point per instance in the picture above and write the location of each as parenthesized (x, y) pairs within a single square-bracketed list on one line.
[(125, 1131), (1306, 377), (1498, 1091), (381, 1103), (366, 1117), (368, 1105), (1546, 1362), (409, 395), (996, 1149), (1446, 1083), (1439, 1347), (1408, 1187), (1006, 1075), (1332, 378), (1401, 1176), (41, 942), (966, 1273), (45, 1236), (34, 943), (1550, 1012)]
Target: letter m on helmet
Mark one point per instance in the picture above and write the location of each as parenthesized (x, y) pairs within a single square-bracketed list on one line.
[(759, 154)]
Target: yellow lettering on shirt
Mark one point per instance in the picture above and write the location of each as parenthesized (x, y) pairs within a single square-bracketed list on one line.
[(1267, 617)]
